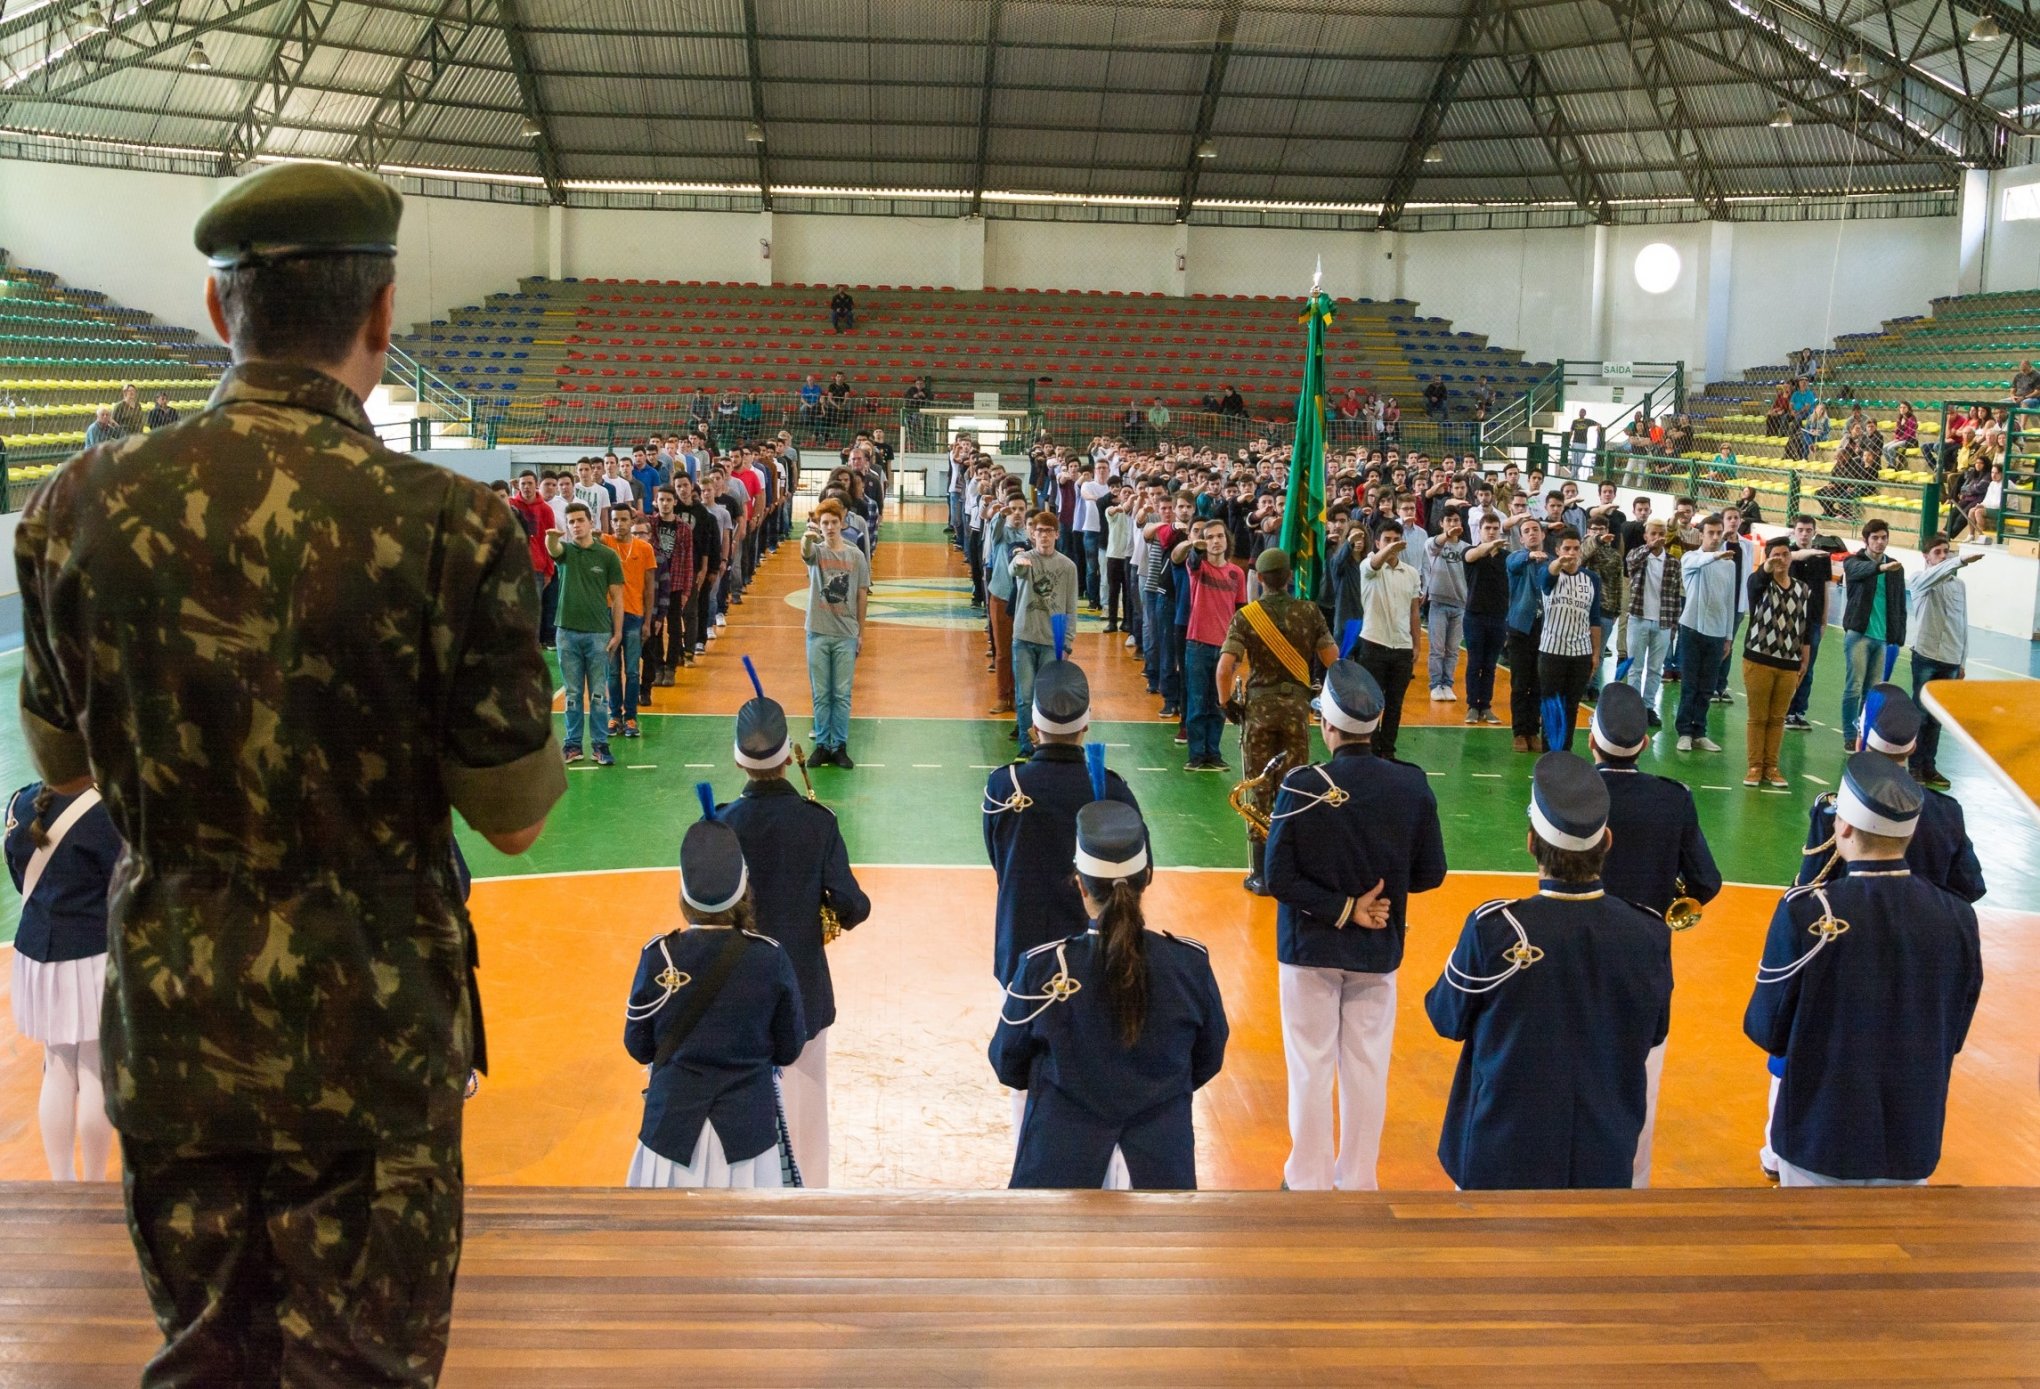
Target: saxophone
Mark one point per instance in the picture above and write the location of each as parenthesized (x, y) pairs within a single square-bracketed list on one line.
[(1257, 819), (832, 924), (1684, 913)]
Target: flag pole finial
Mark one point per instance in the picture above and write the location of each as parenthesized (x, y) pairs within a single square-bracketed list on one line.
[(1317, 278)]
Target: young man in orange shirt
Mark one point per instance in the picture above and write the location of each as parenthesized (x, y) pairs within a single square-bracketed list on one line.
[(630, 537)]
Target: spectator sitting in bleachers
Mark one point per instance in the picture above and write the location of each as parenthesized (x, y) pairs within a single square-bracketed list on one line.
[(700, 408), (811, 398), (1814, 430), (1435, 397), (917, 394), (836, 403), (842, 310), (1967, 488), (102, 430), (1777, 419), (2026, 385), (1905, 433), (1993, 498), (1230, 403), (128, 414), (163, 413), (1802, 399)]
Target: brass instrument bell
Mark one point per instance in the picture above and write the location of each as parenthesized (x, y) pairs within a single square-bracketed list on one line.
[(1684, 913)]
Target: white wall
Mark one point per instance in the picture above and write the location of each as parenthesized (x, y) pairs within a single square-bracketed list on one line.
[(1778, 295), (128, 235), (2011, 251), (660, 245), (451, 253), (1078, 255), (1525, 289), (866, 250), (1253, 260)]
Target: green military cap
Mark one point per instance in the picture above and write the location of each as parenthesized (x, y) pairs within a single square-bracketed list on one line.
[(1272, 562), (290, 211)]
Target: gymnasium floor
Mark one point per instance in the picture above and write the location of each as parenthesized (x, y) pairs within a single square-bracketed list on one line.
[(913, 1101)]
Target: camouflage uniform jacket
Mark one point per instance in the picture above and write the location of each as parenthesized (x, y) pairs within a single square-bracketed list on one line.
[(284, 651), (1297, 619)]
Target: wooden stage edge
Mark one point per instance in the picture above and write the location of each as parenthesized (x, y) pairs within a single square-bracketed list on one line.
[(585, 1287)]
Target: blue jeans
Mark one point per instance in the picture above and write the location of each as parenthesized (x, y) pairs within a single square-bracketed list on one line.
[(1862, 667), (584, 665), (1804, 693), (1700, 660), (831, 661), (1721, 681), (1091, 565), (1444, 628), (1028, 657), (1649, 645), (1487, 636), (1206, 722), (1153, 624), (623, 671)]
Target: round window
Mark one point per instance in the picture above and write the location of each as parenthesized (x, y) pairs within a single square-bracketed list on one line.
[(1657, 268)]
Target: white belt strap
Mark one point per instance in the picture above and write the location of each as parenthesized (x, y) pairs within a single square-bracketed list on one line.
[(53, 836)]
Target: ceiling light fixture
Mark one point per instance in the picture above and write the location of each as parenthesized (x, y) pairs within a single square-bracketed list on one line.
[(1986, 30), (1856, 68), (531, 129), (755, 133), (1782, 118), (1435, 155), (1206, 150), (198, 61)]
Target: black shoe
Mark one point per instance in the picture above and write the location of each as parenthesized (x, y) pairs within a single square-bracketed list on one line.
[(1798, 723), (1650, 716), (822, 756), (1591, 697), (841, 757), (1253, 884)]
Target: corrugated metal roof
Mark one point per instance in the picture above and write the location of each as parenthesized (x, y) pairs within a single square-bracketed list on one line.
[(1096, 97)]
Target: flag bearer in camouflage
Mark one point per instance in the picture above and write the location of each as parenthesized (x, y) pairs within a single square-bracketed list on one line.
[(1277, 636), (283, 652)]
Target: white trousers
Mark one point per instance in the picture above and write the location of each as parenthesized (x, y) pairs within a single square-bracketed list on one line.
[(1653, 1071), (1336, 1024), (1764, 1154), (804, 1088), (1117, 1178)]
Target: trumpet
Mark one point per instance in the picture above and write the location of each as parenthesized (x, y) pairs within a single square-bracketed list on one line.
[(1684, 913), (1256, 818), (832, 924)]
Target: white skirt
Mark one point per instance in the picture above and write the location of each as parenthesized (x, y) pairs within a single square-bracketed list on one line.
[(57, 1001), (708, 1169)]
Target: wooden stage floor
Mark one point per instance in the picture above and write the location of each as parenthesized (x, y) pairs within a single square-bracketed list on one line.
[(573, 1287)]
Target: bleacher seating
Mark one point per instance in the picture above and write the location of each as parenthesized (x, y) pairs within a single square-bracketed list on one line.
[(558, 354), (64, 352)]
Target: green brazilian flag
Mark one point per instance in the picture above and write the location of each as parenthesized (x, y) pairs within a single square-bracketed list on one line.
[(1303, 511)]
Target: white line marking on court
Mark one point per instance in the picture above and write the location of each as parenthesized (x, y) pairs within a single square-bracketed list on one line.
[(918, 766), (1439, 774), (1487, 776), (1716, 788), (641, 767), (1812, 778), (1151, 769), (871, 764), (986, 766), (591, 767), (560, 692), (700, 766)]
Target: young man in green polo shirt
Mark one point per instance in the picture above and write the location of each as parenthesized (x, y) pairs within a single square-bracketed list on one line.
[(590, 627)]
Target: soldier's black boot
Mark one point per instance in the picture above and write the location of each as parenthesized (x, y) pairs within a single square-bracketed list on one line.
[(1257, 852)]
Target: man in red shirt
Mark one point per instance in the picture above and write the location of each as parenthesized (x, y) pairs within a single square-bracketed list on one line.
[(536, 516), (1218, 589)]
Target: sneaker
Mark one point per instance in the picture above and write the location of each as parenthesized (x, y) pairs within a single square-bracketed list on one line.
[(615, 727), (1650, 718), (1451, 696), (1752, 777), (1671, 677), (1440, 696), (1778, 779), (1591, 697), (1182, 738), (603, 757), (1936, 781), (842, 759), (1724, 697), (1473, 716), (1685, 743), (1169, 712), (1522, 743), (1488, 716), (1707, 744), (998, 709), (822, 756), (571, 753), (630, 729), (1798, 723)]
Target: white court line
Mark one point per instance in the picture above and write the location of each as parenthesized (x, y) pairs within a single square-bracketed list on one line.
[(1486, 776), (1716, 788), (918, 766), (699, 766), (1812, 778), (641, 767)]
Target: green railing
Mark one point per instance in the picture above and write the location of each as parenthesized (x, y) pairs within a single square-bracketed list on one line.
[(1514, 426), (1911, 508)]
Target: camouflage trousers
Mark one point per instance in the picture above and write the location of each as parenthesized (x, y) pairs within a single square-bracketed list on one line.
[(300, 1269), (1278, 721)]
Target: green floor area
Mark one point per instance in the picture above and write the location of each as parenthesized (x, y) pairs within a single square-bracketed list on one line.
[(915, 795)]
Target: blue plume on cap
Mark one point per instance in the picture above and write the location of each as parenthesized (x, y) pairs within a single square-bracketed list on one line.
[(1890, 660), (752, 671), (1873, 705), (1094, 762), (1555, 729), (707, 793), (1061, 626), (1349, 637)]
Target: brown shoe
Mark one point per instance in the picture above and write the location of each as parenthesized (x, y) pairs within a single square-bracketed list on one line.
[(1522, 743), (998, 709)]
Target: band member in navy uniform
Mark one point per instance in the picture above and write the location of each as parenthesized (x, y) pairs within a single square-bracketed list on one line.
[(713, 1009), (1111, 1031), (1657, 854), (61, 852), (1349, 840), (1939, 850), (1866, 991), (1030, 820), (1559, 999), (796, 840)]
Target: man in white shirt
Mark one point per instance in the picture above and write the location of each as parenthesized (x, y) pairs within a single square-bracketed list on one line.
[(1748, 559), (1388, 622), (592, 494), (1092, 496), (1706, 630)]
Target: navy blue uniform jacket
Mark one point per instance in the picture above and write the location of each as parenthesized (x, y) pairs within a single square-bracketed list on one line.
[(797, 859), (1322, 858), (1939, 850), (1032, 850), (66, 919), (1087, 1091), (722, 1073), (1550, 1089), (1657, 842), (1869, 1029)]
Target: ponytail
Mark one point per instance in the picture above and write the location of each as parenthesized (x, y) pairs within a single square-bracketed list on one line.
[(1124, 931), (38, 829)]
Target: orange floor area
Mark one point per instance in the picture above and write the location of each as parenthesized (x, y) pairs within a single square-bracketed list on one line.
[(913, 1102)]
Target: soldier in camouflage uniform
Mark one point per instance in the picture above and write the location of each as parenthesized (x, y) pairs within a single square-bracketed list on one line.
[(284, 652), (1276, 636)]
